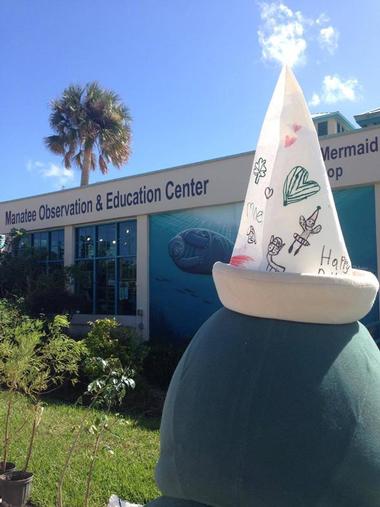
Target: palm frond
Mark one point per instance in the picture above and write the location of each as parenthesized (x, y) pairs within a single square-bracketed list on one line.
[(77, 159), (102, 164), (93, 161), (56, 144)]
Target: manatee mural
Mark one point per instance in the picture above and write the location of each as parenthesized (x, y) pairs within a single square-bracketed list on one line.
[(182, 298), (183, 247), (197, 250)]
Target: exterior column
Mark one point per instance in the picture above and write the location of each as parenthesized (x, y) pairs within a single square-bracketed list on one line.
[(377, 221), (142, 276), (69, 245), (69, 250)]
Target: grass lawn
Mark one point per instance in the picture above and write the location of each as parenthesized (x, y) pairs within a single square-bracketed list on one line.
[(128, 473)]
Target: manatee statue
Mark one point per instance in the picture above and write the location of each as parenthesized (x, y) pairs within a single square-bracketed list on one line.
[(276, 401)]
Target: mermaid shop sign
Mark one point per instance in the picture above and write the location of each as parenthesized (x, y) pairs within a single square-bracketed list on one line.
[(352, 158)]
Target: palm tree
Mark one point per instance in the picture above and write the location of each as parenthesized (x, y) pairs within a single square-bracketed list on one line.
[(92, 129)]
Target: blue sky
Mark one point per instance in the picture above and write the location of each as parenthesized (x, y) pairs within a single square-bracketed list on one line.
[(197, 75)]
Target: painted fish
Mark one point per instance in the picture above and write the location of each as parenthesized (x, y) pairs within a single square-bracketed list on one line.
[(196, 250)]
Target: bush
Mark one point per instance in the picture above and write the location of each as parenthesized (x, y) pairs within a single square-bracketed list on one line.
[(160, 362), (36, 351), (107, 339), (26, 278)]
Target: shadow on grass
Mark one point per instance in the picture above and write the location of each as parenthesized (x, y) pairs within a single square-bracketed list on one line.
[(139, 418)]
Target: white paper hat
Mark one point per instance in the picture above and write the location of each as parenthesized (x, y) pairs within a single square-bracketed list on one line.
[(290, 260)]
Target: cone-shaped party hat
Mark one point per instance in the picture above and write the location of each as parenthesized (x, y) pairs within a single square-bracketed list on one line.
[(290, 260)]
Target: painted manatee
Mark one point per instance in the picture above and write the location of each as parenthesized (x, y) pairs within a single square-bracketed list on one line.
[(197, 250)]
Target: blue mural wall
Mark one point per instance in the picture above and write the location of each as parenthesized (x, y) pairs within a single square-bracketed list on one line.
[(183, 247), (356, 210), (185, 244)]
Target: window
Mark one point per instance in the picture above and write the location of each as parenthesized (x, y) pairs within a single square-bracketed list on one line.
[(48, 246), (56, 245), (322, 128), (85, 242), (106, 254)]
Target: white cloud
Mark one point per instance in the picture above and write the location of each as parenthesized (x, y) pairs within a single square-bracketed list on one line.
[(281, 36), (328, 39), (315, 100), (334, 89), (284, 34), (322, 19), (60, 176)]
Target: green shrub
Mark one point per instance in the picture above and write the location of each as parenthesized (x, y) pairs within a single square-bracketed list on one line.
[(107, 339), (160, 362), (35, 356), (27, 279)]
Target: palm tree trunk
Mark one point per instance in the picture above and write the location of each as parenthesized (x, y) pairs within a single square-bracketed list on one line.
[(86, 167)]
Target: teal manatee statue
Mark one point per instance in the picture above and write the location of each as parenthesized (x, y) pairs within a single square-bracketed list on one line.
[(272, 413)]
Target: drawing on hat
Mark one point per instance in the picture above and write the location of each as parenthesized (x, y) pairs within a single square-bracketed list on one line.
[(260, 169), (238, 260), (274, 248), (308, 228), (298, 187), (296, 127), (289, 140), (251, 235), (268, 192)]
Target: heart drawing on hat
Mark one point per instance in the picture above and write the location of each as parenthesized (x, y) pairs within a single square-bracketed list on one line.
[(298, 187), (268, 192), (289, 140)]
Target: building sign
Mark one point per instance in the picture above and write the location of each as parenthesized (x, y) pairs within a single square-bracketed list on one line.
[(204, 184), (352, 158), (109, 201)]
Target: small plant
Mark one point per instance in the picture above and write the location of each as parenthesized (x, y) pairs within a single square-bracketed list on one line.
[(38, 409), (17, 364), (33, 359), (107, 339), (105, 392)]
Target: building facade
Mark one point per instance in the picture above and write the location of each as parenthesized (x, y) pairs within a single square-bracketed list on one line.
[(146, 243)]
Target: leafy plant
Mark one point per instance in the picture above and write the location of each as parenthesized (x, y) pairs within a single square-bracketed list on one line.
[(108, 340), (26, 278), (106, 391), (33, 359)]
